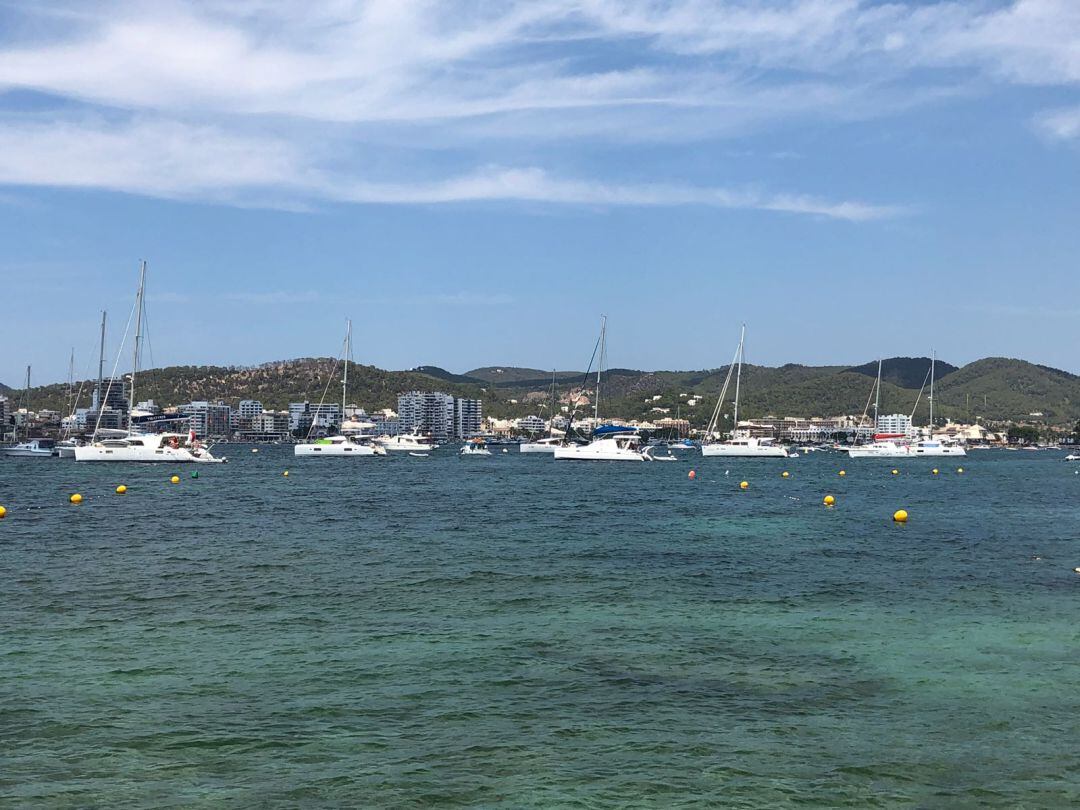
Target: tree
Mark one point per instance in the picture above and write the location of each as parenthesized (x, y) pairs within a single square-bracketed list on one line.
[(1024, 434)]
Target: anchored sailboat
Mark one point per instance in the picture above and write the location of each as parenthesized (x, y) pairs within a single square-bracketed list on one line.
[(609, 442), (738, 446), (339, 445), (131, 445)]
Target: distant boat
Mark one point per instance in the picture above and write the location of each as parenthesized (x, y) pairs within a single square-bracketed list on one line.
[(609, 442), (419, 455), (474, 447), (412, 442), (339, 446), (130, 445), (737, 446), (549, 444), (32, 448)]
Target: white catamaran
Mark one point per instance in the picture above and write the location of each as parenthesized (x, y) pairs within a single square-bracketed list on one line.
[(609, 442), (131, 445), (339, 446), (739, 445)]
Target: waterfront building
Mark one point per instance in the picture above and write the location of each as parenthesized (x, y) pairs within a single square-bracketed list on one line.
[(897, 423), (468, 418), (208, 419), (429, 413), (532, 424), (249, 408)]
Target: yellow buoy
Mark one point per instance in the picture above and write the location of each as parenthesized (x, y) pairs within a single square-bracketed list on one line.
[(120, 490), (900, 516), (175, 479), (3, 511), (829, 500), (934, 471), (960, 469), (286, 473), (744, 485), (842, 473), (76, 498), (895, 472), (785, 474)]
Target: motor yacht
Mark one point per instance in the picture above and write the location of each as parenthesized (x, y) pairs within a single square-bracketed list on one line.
[(410, 442), (474, 447), (31, 448)]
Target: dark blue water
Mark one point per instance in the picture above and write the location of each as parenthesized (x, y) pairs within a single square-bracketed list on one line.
[(516, 632)]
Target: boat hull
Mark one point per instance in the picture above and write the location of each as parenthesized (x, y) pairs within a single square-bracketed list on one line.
[(162, 455), (317, 450), (586, 452), (22, 452), (536, 447), (728, 451)]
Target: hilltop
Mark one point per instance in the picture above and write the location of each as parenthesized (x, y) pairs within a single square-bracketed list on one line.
[(993, 388)]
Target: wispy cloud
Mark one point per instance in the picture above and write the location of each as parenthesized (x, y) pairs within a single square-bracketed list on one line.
[(1062, 125), (402, 101)]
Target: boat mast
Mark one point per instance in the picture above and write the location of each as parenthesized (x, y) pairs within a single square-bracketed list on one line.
[(933, 362), (877, 395), (600, 366), (345, 377), (71, 378), (138, 336), (26, 400), (738, 379), (101, 363), (551, 417)]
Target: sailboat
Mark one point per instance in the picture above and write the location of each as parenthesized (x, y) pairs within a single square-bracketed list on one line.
[(738, 446), (609, 442), (131, 445), (552, 441), (931, 446), (339, 445), (30, 448)]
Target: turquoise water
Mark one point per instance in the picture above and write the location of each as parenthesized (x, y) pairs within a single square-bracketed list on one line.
[(515, 632)]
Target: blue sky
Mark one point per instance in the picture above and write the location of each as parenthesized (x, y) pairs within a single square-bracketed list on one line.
[(475, 183)]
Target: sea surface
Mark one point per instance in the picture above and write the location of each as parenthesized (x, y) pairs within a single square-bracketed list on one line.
[(518, 632)]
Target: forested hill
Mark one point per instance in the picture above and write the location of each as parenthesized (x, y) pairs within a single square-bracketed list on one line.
[(993, 388)]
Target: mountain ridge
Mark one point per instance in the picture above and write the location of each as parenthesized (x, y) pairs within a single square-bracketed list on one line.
[(993, 388)]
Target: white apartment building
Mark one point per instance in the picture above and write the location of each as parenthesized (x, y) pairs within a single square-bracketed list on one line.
[(899, 423), (468, 418), (427, 412)]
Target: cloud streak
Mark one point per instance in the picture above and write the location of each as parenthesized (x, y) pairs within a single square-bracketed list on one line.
[(409, 102)]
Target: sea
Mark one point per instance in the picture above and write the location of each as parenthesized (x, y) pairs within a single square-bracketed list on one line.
[(517, 632)]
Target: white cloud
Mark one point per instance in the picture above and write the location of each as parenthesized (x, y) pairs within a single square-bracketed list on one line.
[(1063, 125), (289, 103)]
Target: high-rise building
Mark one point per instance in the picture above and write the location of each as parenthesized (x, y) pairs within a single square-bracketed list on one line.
[(208, 419), (249, 408), (468, 418), (898, 423), (430, 413)]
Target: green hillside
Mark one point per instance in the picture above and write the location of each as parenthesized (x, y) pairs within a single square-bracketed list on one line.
[(995, 388)]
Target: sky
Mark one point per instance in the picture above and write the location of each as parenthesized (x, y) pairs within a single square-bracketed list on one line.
[(475, 183)]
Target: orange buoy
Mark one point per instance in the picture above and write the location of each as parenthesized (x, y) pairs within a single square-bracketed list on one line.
[(691, 475)]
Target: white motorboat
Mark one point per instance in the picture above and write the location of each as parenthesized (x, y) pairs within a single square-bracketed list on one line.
[(933, 447), (880, 448), (410, 442), (547, 445), (474, 447), (173, 448), (31, 448), (1073, 457), (337, 446), (745, 448), (610, 443), (739, 445)]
